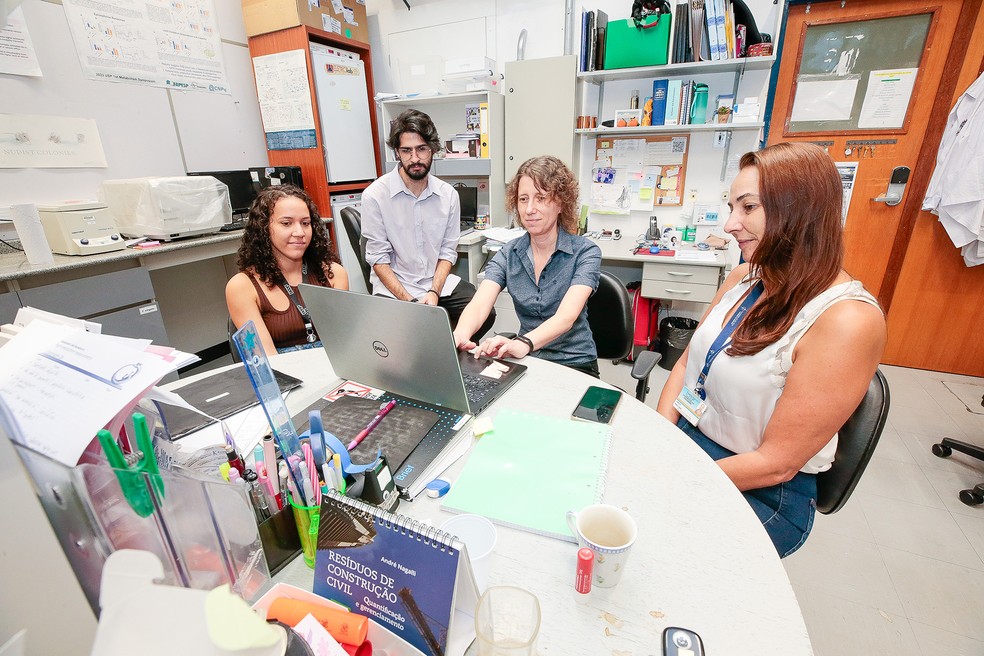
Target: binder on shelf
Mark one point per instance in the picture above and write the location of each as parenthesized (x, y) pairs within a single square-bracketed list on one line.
[(410, 578), (527, 452), (483, 117), (660, 88), (673, 91), (720, 21), (583, 61), (601, 23), (592, 41)]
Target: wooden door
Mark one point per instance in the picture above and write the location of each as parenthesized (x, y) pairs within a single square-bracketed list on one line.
[(837, 59)]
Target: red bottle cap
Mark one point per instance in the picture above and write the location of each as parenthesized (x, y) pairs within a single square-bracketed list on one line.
[(585, 563)]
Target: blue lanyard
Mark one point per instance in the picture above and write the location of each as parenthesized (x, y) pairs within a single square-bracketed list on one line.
[(724, 338)]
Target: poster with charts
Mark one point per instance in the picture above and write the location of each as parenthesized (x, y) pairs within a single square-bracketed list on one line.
[(155, 43)]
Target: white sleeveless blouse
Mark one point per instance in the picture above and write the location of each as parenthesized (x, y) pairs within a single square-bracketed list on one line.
[(742, 391)]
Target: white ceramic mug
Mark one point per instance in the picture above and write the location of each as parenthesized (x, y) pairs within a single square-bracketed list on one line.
[(610, 533)]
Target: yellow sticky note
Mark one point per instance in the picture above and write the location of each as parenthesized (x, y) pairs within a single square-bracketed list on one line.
[(646, 193), (345, 105), (233, 625)]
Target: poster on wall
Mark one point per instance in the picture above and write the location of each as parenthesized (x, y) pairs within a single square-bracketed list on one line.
[(887, 98), (159, 44), (29, 141), (17, 55), (285, 100)]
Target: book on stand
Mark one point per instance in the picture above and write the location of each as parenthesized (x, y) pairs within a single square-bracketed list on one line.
[(410, 578)]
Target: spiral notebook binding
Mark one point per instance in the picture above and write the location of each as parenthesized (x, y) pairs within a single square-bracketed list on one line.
[(603, 468), (400, 523)]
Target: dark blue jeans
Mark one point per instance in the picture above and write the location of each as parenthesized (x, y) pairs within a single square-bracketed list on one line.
[(785, 510)]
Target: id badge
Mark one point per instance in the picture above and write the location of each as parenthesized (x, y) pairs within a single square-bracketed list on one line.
[(690, 405)]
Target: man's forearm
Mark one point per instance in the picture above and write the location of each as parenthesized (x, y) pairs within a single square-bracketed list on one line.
[(441, 272), (391, 282)]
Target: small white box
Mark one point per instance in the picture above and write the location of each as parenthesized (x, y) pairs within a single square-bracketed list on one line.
[(469, 65)]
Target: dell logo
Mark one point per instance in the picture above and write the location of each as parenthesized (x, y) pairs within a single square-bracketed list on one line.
[(380, 349)]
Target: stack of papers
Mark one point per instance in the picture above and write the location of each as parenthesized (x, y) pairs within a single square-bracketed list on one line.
[(502, 235), (62, 384)]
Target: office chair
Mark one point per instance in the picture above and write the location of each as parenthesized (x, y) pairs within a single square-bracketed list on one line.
[(856, 443), (975, 495), (612, 326), (352, 221), (230, 330)]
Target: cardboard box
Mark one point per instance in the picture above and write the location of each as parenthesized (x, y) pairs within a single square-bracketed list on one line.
[(262, 16)]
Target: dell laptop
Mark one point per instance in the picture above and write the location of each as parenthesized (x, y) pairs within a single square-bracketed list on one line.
[(404, 348)]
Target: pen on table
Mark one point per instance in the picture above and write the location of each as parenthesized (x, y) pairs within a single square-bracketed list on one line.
[(383, 411)]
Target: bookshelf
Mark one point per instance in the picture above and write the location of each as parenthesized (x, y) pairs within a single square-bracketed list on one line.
[(448, 113)]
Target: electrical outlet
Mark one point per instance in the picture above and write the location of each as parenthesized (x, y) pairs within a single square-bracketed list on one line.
[(724, 196), (720, 139), (693, 195)]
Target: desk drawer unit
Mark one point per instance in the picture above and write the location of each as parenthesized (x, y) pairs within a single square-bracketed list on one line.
[(681, 282)]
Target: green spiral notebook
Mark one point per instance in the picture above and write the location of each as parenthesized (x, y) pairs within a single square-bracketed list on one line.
[(530, 470)]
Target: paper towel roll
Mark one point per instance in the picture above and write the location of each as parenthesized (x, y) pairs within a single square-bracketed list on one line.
[(27, 222)]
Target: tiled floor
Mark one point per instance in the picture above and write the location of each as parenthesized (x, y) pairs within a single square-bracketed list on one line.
[(900, 570)]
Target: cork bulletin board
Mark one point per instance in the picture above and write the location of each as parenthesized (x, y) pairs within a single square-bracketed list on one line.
[(636, 173)]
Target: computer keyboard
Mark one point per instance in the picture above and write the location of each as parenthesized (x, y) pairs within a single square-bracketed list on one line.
[(477, 388), (235, 225)]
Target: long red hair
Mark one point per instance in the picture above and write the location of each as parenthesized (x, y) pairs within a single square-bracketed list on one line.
[(801, 251)]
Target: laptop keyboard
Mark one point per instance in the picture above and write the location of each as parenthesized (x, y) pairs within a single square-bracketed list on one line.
[(477, 388)]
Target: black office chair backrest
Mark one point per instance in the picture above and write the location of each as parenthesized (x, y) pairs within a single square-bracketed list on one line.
[(856, 441), (231, 329), (610, 318), (352, 221)]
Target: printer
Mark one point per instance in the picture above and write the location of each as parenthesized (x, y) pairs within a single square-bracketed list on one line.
[(167, 208), (79, 228)]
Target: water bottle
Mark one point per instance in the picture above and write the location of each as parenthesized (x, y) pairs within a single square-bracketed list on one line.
[(698, 108)]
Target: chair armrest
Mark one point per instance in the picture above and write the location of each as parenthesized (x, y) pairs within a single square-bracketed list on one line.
[(644, 363)]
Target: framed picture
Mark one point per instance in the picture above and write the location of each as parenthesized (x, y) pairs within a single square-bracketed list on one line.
[(628, 118)]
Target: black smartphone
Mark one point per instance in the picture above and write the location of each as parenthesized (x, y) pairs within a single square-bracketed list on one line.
[(681, 642), (597, 404)]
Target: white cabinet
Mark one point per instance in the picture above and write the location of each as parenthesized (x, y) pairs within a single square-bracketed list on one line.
[(448, 113)]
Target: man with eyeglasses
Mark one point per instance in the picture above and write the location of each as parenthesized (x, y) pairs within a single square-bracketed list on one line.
[(411, 221)]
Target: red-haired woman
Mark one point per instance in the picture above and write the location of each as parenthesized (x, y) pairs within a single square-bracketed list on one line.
[(284, 244), (787, 349)]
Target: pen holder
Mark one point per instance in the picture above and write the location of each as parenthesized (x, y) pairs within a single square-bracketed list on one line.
[(305, 517), (281, 541)]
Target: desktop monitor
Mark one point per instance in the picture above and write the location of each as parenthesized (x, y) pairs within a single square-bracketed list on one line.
[(468, 197), (242, 189)]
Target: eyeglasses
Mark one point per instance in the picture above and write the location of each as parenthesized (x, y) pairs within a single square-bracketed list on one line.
[(421, 151)]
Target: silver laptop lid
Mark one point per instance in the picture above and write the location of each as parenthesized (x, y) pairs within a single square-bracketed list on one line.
[(404, 348)]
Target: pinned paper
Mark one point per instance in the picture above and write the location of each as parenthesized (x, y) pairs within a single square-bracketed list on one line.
[(345, 105)]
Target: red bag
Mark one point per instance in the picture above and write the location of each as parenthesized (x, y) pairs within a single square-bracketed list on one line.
[(645, 315)]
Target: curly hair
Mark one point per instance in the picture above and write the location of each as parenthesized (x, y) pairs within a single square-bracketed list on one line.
[(256, 251), (553, 177), (418, 122), (801, 252)]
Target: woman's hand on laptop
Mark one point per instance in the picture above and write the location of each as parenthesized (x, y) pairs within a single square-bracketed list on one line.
[(464, 343), (502, 347)]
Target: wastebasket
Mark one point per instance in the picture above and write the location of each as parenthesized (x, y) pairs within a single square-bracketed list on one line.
[(674, 335)]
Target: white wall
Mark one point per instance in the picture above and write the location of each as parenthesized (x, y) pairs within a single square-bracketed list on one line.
[(144, 130)]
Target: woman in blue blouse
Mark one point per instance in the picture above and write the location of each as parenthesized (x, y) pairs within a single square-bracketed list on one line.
[(549, 272)]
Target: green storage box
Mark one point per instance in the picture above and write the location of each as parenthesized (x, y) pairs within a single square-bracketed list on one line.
[(627, 46)]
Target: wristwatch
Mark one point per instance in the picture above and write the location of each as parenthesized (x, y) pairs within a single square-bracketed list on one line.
[(431, 291), (526, 340)]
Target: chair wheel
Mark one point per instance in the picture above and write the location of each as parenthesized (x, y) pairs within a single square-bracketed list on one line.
[(942, 451), (972, 497), (616, 362)]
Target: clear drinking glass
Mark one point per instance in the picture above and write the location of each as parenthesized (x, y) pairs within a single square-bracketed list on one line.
[(507, 622)]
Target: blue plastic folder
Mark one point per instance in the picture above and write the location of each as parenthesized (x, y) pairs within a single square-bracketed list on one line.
[(530, 470)]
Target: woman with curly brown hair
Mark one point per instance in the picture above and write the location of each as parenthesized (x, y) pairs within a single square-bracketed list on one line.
[(284, 244), (550, 273)]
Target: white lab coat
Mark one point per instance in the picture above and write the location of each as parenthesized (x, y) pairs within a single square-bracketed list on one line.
[(956, 189)]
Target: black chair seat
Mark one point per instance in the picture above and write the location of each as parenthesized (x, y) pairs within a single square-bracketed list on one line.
[(352, 222)]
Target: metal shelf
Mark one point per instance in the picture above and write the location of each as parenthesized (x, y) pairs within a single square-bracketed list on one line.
[(673, 70), (663, 129)]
